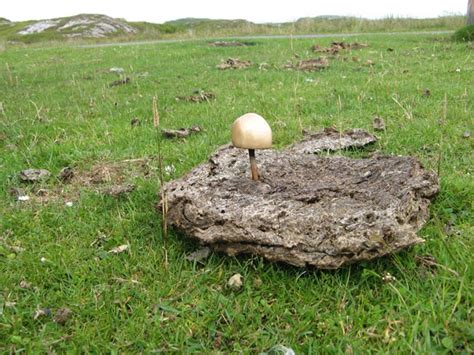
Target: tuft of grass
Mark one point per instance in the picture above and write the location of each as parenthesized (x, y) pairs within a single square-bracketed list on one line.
[(464, 34), (57, 109)]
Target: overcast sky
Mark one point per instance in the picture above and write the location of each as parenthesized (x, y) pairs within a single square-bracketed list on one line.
[(253, 10)]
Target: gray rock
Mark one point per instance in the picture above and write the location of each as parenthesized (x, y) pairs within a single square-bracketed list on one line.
[(306, 209)]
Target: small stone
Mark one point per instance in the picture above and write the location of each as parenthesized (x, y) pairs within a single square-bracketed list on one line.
[(62, 315), (379, 124), (34, 175), (466, 134), (235, 282)]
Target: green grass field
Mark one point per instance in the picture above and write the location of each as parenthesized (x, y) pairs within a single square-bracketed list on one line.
[(57, 109)]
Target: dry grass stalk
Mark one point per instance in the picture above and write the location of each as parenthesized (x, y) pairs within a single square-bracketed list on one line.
[(156, 115), (10, 76), (441, 138), (164, 200)]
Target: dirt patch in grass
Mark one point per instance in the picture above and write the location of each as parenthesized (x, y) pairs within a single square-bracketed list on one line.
[(106, 178), (113, 172), (234, 63)]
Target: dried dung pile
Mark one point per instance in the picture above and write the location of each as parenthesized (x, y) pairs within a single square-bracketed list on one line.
[(197, 97), (234, 63), (309, 64), (336, 47), (306, 209)]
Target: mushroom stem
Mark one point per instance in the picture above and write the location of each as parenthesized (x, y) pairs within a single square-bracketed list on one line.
[(253, 164)]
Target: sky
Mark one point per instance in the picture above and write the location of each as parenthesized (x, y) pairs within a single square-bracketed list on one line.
[(159, 11)]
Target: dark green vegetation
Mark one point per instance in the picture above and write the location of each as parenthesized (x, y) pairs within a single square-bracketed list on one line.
[(57, 109), (199, 28), (464, 34)]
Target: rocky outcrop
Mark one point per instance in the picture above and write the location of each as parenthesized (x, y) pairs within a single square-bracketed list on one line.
[(4, 21), (87, 26)]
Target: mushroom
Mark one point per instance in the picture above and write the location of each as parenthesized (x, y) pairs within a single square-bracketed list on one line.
[(251, 132)]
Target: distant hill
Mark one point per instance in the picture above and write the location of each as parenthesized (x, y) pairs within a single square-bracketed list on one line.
[(193, 22), (100, 28), (84, 25), (187, 21)]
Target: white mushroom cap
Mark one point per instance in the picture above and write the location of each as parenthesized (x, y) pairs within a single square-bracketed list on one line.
[(251, 131)]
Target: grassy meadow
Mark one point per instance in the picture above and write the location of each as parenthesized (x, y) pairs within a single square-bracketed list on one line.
[(57, 109)]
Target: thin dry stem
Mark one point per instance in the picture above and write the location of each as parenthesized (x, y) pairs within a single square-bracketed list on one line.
[(164, 199), (408, 114), (10, 76), (156, 115), (441, 139)]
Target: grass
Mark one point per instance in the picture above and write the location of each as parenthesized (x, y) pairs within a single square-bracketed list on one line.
[(57, 109), (464, 34)]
